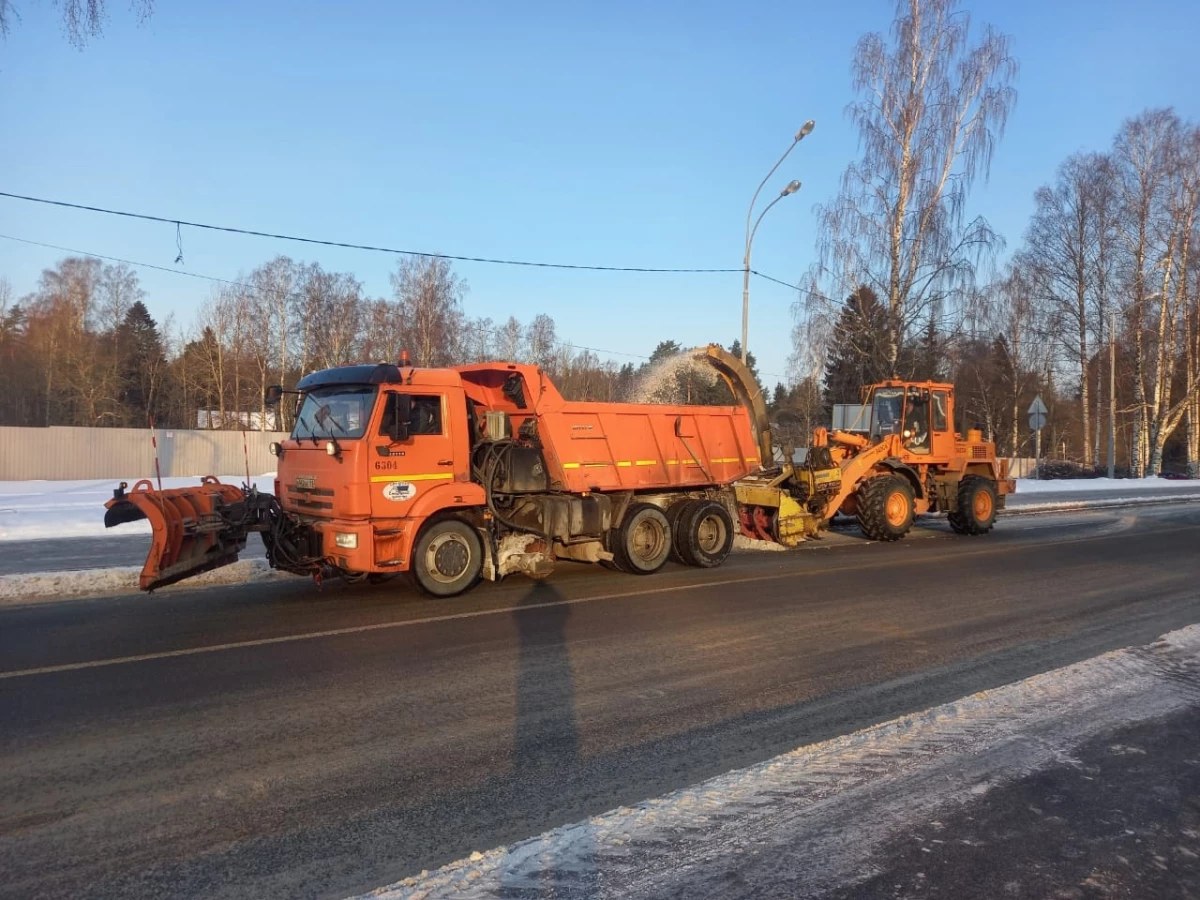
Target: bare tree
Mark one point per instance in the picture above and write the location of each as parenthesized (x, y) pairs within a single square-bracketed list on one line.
[(931, 109), (1063, 244), (542, 341), (81, 19), (510, 340), (429, 299), (1143, 157)]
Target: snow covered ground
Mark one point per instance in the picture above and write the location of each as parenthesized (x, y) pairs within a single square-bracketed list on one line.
[(30, 510), (1101, 485)]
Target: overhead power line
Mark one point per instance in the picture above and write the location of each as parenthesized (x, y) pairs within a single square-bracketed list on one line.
[(229, 229), (251, 287)]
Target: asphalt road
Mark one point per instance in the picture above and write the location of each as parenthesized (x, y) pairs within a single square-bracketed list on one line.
[(277, 740)]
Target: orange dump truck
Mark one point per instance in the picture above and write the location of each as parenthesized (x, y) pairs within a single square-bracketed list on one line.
[(455, 475)]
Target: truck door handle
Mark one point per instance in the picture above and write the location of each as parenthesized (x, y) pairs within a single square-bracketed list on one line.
[(445, 462)]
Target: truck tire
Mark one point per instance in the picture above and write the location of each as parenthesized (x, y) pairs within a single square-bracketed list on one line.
[(642, 543), (885, 508), (675, 513), (976, 511), (705, 533), (447, 558)]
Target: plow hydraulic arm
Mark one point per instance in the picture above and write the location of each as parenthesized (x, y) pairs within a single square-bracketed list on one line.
[(195, 529)]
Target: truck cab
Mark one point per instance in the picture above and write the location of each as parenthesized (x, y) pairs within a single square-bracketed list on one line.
[(372, 451)]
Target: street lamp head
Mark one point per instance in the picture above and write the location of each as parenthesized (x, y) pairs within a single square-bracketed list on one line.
[(790, 189), (805, 130)]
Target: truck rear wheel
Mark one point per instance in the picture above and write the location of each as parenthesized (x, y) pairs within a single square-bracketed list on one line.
[(642, 543), (704, 533), (976, 512), (675, 513), (447, 559), (885, 508)]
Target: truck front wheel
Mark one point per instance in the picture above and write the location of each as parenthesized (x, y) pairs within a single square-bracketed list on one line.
[(447, 559)]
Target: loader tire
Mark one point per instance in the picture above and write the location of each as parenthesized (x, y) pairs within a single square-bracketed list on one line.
[(447, 559), (642, 543), (885, 508), (675, 513), (976, 511), (705, 533)]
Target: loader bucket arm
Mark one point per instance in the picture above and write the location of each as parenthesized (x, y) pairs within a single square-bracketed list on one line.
[(747, 392), (193, 529)]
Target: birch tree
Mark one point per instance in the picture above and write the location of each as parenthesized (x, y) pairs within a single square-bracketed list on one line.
[(931, 107), (429, 299)]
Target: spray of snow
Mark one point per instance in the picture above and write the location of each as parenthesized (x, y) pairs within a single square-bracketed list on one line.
[(665, 380)]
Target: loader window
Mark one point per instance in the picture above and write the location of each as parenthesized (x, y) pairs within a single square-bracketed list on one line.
[(886, 409), (335, 411)]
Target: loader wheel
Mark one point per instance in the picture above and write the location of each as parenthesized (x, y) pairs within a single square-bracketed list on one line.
[(705, 534), (885, 508), (642, 544), (976, 512), (447, 559), (675, 514)]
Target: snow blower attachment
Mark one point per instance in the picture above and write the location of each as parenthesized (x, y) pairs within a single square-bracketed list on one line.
[(195, 529)]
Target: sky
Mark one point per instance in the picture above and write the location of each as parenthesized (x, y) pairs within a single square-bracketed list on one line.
[(622, 134)]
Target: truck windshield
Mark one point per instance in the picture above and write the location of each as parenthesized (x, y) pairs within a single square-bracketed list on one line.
[(886, 408), (336, 411)]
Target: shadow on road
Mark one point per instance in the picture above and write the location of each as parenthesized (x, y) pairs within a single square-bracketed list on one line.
[(546, 749)]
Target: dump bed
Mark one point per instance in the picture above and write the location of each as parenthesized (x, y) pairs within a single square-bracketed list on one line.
[(618, 446), (621, 446)]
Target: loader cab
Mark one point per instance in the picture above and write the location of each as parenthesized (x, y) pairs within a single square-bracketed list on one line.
[(920, 413)]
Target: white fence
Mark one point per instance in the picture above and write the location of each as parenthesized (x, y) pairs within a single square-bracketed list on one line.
[(58, 454)]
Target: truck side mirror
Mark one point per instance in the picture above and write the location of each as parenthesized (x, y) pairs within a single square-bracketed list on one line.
[(273, 395), (399, 412)]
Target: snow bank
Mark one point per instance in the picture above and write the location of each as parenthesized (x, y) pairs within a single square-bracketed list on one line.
[(31, 510), (33, 586), (1101, 485)]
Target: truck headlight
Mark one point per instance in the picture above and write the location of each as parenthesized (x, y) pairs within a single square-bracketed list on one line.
[(345, 541), (276, 448), (331, 448)]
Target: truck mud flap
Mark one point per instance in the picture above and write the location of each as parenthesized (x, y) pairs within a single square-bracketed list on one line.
[(194, 529)]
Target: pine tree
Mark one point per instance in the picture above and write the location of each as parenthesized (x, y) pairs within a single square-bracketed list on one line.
[(859, 352), (142, 364)]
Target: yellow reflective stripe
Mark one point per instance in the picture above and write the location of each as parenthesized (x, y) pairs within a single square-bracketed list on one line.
[(624, 465), (647, 462), (728, 459), (672, 462), (435, 476), (596, 465), (570, 465)]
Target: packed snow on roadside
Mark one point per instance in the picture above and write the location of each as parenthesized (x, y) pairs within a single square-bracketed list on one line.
[(1101, 485), (32, 510)]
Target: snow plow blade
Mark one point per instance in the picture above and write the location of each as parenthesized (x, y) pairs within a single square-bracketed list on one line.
[(194, 529)]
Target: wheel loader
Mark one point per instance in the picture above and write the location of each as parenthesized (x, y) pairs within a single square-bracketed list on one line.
[(910, 462), (479, 472)]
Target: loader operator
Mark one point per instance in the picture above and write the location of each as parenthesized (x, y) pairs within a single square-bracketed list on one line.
[(916, 423)]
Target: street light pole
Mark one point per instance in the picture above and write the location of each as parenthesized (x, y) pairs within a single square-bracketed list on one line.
[(794, 186)]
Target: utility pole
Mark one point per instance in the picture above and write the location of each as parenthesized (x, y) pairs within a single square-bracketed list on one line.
[(1112, 395)]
